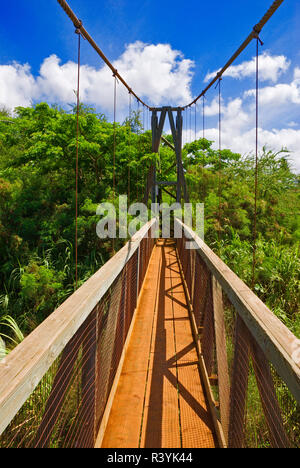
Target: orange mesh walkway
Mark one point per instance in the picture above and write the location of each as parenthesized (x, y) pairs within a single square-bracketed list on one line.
[(159, 402)]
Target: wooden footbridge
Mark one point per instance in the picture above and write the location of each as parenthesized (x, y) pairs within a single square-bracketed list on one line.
[(157, 349), (164, 347)]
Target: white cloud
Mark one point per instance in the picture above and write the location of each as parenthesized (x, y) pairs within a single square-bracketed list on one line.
[(282, 93), (293, 124), (212, 108), (243, 141), (161, 71), (239, 134), (157, 73), (162, 76), (297, 74), (238, 119), (270, 68), (17, 85)]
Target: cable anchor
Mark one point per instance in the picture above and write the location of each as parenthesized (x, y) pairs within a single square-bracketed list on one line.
[(78, 27), (256, 32)]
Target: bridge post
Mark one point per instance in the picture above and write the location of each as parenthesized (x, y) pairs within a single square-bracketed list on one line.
[(157, 125)]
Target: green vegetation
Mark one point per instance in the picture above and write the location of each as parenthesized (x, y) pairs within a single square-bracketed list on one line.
[(278, 220), (37, 218), (37, 202), (37, 207)]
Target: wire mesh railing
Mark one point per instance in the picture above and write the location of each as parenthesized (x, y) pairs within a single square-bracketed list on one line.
[(54, 387), (249, 355)]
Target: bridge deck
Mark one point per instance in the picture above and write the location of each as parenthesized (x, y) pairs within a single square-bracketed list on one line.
[(160, 402)]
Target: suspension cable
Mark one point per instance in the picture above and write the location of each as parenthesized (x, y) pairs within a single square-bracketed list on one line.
[(203, 125), (253, 35), (143, 145), (220, 162), (77, 31), (78, 25), (256, 30), (195, 121), (129, 145), (258, 41), (203, 116), (190, 124), (138, 152), (186, 127), (114, 149)]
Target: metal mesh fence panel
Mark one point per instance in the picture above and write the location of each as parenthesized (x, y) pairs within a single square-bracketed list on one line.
[(67, 406), (290, 409), (62, 404), (255, 407)]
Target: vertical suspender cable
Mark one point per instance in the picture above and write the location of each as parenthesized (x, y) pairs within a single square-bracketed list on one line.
[(256, 162), (203, 116), (195, 120), (203, 125), (114, 150), (138, 152), (220, 164), (186, 126), (143, 146), (77, 31), (190, 124), (129, 146)]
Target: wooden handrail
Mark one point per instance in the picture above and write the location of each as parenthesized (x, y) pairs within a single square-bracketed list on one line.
[(274, 338), (22, 370)]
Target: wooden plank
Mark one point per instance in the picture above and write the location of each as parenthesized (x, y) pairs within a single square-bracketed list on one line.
[(161, 426), (165, 379), (275, 339), (24, 367), (197, 429)]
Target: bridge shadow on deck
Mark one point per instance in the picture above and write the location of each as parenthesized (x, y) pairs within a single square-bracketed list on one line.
[(160, 401), (167, 389)]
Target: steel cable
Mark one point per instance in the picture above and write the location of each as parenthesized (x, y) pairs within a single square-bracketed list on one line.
[(77, 158), (258, 41), (78, 25), (255, 31), (253, 35)]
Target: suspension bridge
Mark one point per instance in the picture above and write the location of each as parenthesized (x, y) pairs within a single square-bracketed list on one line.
[(156, 349)]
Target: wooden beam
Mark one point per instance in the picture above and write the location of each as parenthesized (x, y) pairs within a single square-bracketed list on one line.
[(169, 193), (22, 370), (160, 109), (168, 143), (166, 182)]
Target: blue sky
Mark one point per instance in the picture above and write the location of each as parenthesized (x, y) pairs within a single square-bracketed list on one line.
[(164, 49)]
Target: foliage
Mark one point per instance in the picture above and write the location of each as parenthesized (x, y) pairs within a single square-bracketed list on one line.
[(8, 322), (37, 206), (37, 218)]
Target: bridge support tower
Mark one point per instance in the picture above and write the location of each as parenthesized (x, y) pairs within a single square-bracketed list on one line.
[(155, 185)]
